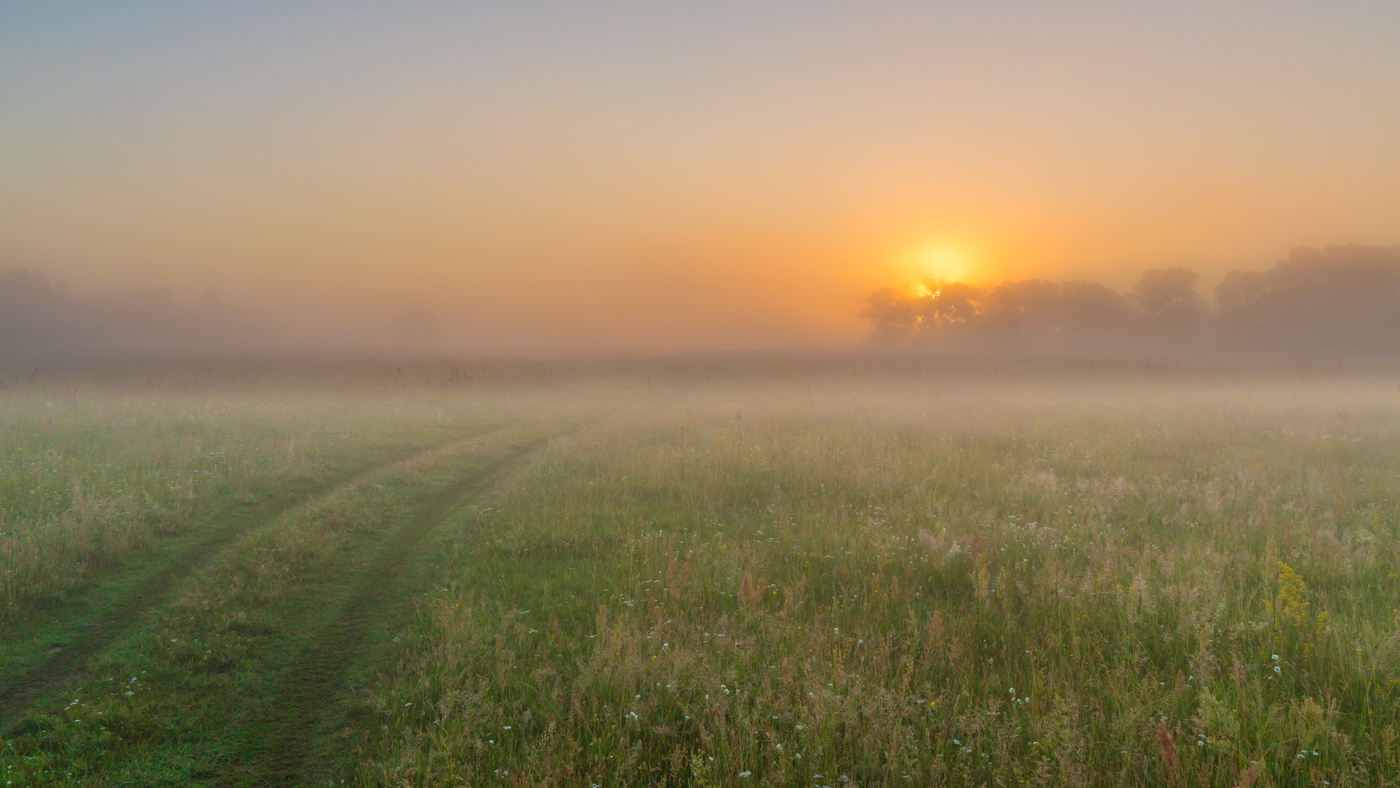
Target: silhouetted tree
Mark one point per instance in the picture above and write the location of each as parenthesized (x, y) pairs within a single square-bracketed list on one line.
[(1168, 297), (1027, 307), (39, 313), (893, 314), (949, 306), (939, 310), (1088, 309), (1340, 297), (34, 308)]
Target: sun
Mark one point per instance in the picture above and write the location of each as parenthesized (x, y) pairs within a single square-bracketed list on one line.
[(920, 265), (943, 263), (937, 262)]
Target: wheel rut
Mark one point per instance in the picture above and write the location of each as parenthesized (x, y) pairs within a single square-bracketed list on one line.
[(131, 603), (280, 749)]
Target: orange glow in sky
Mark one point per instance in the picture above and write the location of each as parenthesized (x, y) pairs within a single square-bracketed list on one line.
[(617, 176)]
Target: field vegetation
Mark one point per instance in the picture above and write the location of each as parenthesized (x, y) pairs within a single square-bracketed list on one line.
[(916, 576), (86, 479)]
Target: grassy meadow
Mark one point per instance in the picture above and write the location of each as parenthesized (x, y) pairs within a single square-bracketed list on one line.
[(686, 576)]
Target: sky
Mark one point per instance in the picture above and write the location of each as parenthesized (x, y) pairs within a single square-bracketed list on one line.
[(613, 177)]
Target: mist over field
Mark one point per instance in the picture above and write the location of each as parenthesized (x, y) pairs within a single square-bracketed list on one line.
[(1339, 301), (491, 181), (724, 571), (737, 394), (42, 317)]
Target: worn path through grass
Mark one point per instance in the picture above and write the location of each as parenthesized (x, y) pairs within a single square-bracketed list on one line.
[(246, 673), (308, 703), (52, 642)]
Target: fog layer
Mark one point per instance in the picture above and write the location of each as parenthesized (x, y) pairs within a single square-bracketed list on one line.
[(1337, 300)]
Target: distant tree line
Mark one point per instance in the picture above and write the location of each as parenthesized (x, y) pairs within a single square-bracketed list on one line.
[(38, 314), (1337, 299)]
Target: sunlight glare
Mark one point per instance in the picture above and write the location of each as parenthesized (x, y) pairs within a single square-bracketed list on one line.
[(938, 262)]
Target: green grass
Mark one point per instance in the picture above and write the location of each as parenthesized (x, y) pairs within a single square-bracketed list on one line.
[(1025, 579)]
